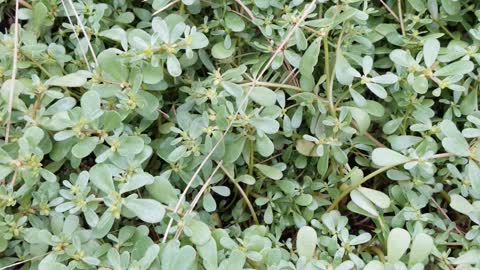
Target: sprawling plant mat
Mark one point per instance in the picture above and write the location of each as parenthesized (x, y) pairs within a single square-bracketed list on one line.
[(239, 134)]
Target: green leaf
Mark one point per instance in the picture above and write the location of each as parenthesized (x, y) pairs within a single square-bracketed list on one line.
[(152, 75), (208, 252), (178, 153), (420, 84), (473, 174), (363, 202), (173, 66), (418, 5), (112, 67), (306, 242), (265, 125), (460, 204), (374, 265), (457, 68), (76, 79), (136, 181), (104, 225), (385, 157), (199, 40), (49, 263), (61, 105), (361, 118), (388, 78), (4, 157), (39, 16), (147, 210), (235, 261), (343, 71), (130, 145), (264, 146), (90, 103), (263, 96), (457, 146), (84, 147), (310, 57), (200, 232), (471, 257), (431, 47), (220, 52), (422, 245), (377, 89), (269, 171), (234, 22), (245, 178), (233, 89), (306, 148), (379, 198), (397, 244), (101, 177), (48, 175), (37, 236), (184, 259), (117, 34), (162, 190)]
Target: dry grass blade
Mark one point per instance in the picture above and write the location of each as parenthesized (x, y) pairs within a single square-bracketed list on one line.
[(307, 10), (84, 31), (76, 35), (165, 7), (14, 72), (197, 198)]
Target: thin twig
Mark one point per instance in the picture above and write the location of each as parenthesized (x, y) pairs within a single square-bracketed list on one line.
[(242, 192), (247, 10), (275, 85), (390, 10), (197, 199), (14, 178), (166, 7), (369, 136), (307, 10), (332, 75), (25, 4), (80, 23), (400, 16), (24, 261), (76, 35), (446, 216), (14, 72)]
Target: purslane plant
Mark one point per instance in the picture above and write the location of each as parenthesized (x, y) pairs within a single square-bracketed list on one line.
[(239, 134)]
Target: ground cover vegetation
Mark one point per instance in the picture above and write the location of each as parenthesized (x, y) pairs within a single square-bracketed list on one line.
[(239, 134)]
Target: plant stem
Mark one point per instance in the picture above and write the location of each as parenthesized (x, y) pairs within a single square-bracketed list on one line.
[(331, 106), (372, 175), (330, 75), (379, 253), (36, 63), (36, 105), (251, 159), (445, 29), (242, 192)]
